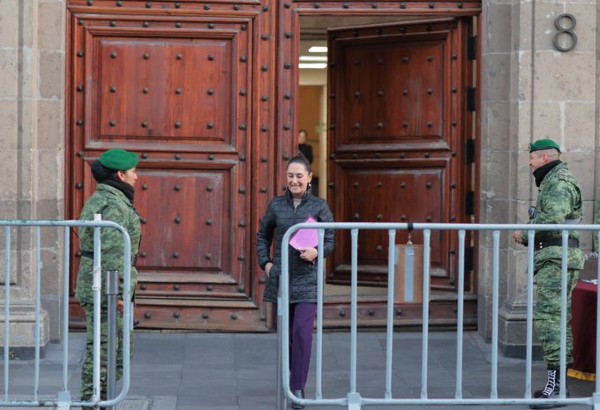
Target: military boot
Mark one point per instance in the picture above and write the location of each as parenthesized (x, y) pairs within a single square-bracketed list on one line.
[(550, 391), (300, 395)]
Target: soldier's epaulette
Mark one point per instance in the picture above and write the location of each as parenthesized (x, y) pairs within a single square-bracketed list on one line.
[(565, 175)]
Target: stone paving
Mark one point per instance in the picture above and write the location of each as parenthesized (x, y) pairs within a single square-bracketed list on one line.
[(203, 371)]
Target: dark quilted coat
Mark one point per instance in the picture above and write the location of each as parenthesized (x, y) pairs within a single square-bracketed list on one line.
[(280, 215)]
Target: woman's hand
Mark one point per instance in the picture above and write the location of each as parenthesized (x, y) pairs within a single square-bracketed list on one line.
[(517, 237), (308, 255), (268, 267)]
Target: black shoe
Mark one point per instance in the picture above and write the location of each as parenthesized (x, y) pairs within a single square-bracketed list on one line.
[(538, 394), (553, 395), (300, 395), (550, 391)]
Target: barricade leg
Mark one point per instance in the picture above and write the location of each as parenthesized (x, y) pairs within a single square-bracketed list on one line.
[(64, 400), (596, 397), (112, 278), (354, 401), (281, 397)]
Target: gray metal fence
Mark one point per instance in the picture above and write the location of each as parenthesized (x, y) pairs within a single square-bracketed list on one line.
[(353, 399), (63, 399)]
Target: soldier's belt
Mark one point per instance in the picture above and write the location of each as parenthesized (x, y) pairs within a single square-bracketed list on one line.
[(87, 254), (572, 243), (90, 255)]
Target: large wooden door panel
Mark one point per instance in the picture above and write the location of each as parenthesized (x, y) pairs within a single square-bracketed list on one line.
[(387, 192), (392, 96), (396, 100), (171, 66), (187, 215), (176, 89)]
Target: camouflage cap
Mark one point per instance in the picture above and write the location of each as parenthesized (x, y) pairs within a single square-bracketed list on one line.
[(543, 144), (118, 159)]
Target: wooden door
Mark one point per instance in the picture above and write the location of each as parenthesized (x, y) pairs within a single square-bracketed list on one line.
[(175, 83), (399, 138)]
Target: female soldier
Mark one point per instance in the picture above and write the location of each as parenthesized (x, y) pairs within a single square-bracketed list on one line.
[(115, 173), (295, 206)]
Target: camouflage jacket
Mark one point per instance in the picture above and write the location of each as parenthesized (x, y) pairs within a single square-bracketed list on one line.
[(559, 199), (114, 206)]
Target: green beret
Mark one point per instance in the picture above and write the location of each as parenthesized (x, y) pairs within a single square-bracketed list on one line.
[(543, 144), (118, 159)]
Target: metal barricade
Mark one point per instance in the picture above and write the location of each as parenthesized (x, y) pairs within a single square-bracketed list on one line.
[(353, 399), (63, 398)]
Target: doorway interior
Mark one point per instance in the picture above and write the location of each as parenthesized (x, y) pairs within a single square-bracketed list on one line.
[(312, 118)]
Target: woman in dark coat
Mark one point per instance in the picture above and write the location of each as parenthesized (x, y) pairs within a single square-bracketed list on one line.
[(295, 206)]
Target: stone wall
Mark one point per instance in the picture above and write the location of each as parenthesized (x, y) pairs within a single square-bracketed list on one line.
[(530, 90), (32, 90)]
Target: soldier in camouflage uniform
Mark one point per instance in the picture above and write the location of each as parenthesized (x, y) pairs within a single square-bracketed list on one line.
[(115, 173), (559, 202)]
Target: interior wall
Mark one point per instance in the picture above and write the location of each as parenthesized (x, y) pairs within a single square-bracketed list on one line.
[(309, 119), (312, 117)]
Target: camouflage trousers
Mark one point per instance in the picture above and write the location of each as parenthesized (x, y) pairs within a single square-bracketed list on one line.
[(548, 311), (87, 372)]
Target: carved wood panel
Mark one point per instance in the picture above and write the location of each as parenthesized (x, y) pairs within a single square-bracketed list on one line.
[(173, 218), (148, 89), (391, 91), (388, 198)]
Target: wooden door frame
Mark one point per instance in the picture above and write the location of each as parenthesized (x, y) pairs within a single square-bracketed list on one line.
[(373, 313)]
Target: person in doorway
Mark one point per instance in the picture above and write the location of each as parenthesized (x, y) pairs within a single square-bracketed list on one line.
[(559, 202), (305, 148), (116, 175), (295, 206)]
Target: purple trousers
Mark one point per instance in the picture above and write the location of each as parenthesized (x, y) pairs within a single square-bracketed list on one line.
[(302, 320)]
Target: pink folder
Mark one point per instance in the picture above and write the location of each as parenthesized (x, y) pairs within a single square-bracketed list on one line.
[(305, 238)]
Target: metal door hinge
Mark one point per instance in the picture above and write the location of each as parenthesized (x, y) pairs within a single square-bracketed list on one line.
[(469, 254), (470, 151), (471, 99), (470, 203), (472, 48)]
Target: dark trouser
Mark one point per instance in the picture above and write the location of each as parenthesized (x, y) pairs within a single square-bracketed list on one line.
[(302, 320), (87, 375)]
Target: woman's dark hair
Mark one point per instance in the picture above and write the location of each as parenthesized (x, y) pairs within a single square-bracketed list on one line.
[(299, 158), (101, 173)]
